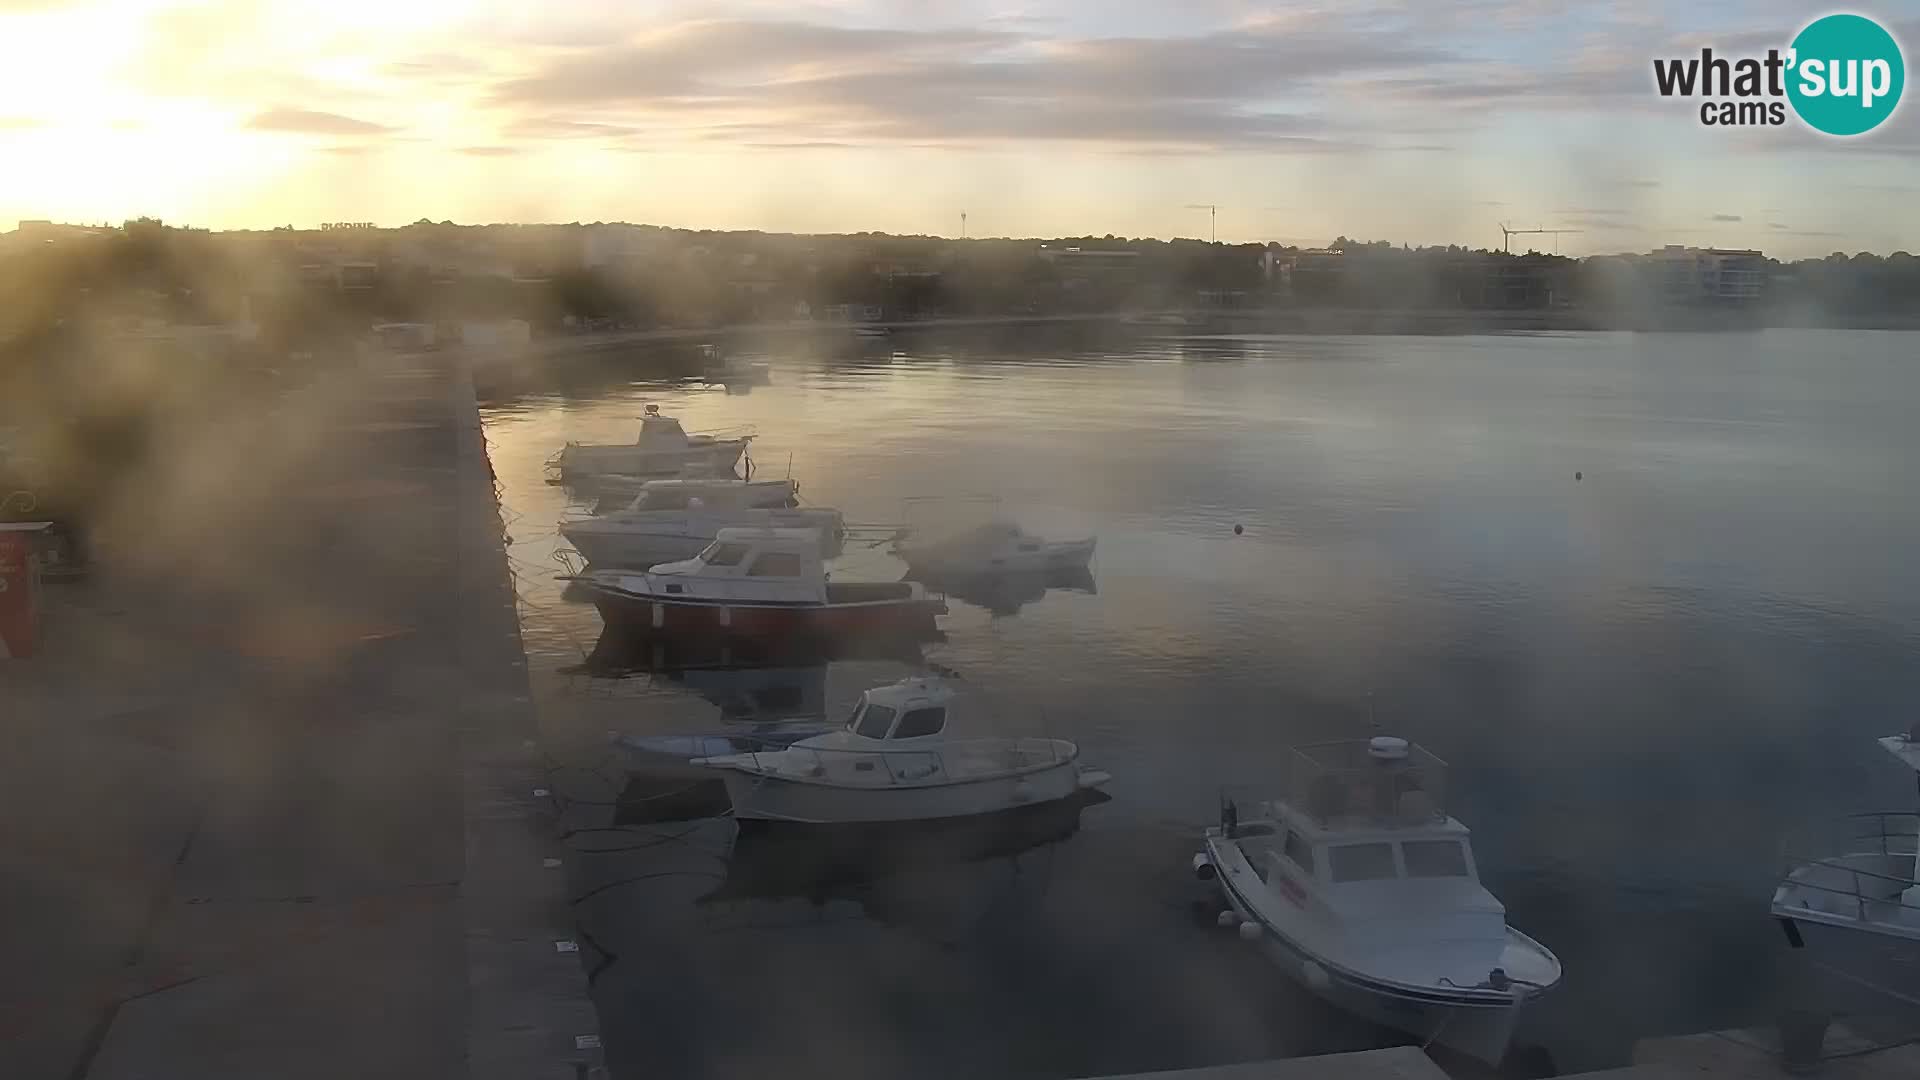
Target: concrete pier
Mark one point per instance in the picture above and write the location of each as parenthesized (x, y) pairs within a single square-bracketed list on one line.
[(271, 787)]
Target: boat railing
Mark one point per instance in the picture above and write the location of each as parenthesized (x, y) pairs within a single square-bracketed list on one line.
[(1827, 864), (916, 765), (1343, 784)]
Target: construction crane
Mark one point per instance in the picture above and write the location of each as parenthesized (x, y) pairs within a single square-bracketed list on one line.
[(1213, 220), (1507, 235)]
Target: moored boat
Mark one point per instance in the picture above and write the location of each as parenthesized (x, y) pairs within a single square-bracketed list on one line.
[(758, 583), (663, 447), (1854, 905), (895, 761), (1358, 883), (676, 519), (997, 546)]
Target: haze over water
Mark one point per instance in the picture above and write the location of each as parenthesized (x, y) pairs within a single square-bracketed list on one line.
[(1652, 596)]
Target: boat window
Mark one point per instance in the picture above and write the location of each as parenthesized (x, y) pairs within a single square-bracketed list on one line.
[(875, 722), (921, 722), (1299, 851), (719, 554), (1434, 858), (1361, 862), (776, 564)]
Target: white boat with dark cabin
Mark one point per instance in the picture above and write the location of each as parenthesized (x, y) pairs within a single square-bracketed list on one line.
[(896, 761), (672, 520), (759, 583), (1362, 887), (663, 447), (1854, 905)]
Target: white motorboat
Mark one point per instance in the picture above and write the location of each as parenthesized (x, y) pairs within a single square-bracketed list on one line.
[(764, 584), (662, 448), (1358, 883), (996, 547), (894, 761), (616, 491), (676, 519), (1857, 912)]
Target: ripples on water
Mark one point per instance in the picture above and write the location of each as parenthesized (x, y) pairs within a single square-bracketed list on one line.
[(1642, 677)]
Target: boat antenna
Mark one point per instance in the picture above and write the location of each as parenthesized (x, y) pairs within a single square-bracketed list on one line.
[(789, 464)]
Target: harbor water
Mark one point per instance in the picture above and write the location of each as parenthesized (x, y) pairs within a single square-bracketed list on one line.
[(1650, 595)]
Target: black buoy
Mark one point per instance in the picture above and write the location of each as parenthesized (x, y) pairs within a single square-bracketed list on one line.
[(1238, 529), (1576, 474)]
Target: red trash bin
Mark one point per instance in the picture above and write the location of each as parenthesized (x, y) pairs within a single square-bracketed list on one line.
[(19, 588)]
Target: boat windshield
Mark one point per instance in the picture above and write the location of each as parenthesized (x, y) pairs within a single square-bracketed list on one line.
[(874, 722), (720, 553)]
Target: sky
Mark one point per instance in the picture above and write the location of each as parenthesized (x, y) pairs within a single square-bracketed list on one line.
[(1418, 121)]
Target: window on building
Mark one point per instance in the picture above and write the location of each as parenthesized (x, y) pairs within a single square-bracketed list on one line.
[(921, 722), (776, 564), (719, 554), (1361, 862), (1434, 858)]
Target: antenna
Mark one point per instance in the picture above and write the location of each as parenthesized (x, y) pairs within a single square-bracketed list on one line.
[(1213, 220), (963, 224)]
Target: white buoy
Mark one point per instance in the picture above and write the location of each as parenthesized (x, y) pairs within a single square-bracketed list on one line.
[(1203, 867), (1226, 919), (1251, 931)]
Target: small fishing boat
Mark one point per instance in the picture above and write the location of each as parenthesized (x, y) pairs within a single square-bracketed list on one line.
[(718, 368), (676, 519), (1358, 883), (997, 546), (894, 761), (662, 448), (1854, 904), (758, 583), (616, 491)]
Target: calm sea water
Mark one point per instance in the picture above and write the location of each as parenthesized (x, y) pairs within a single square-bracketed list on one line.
[(1652, 596)]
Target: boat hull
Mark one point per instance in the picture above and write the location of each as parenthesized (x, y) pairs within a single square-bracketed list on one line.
[(1861, 969), (907, 617), (759, 797), (584, 459), (1469, 1024)]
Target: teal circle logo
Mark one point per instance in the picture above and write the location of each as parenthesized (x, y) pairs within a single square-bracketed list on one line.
[(1846, 74)]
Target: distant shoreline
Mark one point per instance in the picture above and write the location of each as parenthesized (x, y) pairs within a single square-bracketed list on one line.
[(1306, 321)]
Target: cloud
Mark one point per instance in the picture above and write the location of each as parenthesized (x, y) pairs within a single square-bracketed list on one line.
[(9, 123), (819, 83), (1726, 217), (490, 151), (555, 127), (309, 122)]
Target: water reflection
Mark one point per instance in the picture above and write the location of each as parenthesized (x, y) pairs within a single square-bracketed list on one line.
[(1642, 677), (827, 862), (1006, 593), (730, 671)]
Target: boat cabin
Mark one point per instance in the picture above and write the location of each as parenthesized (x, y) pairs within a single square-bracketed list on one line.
[(1363, 833), (903, 711), (661, 431)]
